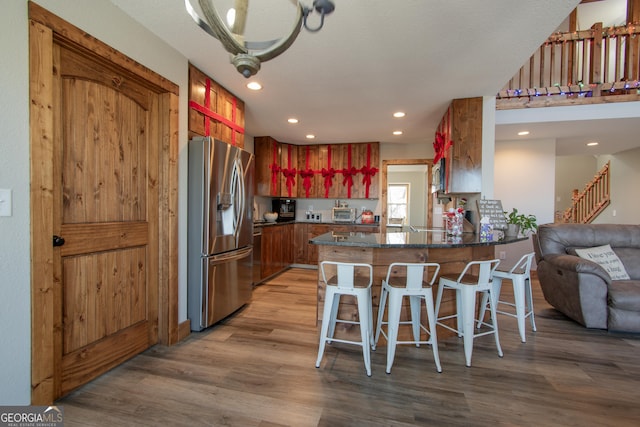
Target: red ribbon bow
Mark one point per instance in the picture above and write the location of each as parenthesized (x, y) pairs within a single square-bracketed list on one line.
[(328, 175), (440, 146), (306, 183), (368, 173), (290, 175)]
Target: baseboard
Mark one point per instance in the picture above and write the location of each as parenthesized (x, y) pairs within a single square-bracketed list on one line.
[(184, 329)]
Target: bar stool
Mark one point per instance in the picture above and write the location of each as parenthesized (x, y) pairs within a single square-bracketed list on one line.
[(520, 276), (417, 289), (466, 286), (346, 282)]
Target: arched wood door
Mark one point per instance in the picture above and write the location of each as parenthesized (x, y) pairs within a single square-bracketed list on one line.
[(103, 164), (105, 204)]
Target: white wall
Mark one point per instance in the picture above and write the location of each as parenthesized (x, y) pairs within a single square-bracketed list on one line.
[(572, 172), (99, 18), (524, 178), (15, 303)]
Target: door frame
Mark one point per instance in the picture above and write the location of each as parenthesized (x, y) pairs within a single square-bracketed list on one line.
[(44, 28), (383, 190)]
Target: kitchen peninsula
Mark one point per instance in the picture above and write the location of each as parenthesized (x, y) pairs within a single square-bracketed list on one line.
[(382, 249)]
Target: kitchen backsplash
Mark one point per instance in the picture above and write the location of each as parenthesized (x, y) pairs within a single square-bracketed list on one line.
[(315, 206)]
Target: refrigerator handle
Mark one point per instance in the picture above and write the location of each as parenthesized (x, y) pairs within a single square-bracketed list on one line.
[(241, 202)]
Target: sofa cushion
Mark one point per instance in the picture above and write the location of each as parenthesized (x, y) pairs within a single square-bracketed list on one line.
[(607, 258), (630, 258), (625, 295)]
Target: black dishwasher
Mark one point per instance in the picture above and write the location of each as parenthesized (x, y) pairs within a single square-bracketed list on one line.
[(257, 254)]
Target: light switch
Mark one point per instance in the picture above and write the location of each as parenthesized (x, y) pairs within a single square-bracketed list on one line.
[(5, 202)]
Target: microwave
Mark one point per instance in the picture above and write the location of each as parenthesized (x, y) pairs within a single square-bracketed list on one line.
[(343, 215)]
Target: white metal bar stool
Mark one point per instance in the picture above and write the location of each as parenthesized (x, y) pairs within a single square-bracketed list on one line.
[(466, 285), (417, 286), (520, 276), (347, 282)]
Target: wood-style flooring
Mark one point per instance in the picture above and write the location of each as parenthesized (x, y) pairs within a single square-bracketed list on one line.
[(257, 368)]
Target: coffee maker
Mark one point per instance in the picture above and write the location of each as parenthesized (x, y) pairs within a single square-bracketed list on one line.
[(286, 209)]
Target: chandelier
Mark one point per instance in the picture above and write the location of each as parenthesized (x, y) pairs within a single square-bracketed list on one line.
[(247, 56)]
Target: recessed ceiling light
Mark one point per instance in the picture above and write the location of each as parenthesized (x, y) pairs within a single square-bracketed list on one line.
[(397, 132), (523, 133), (591, 144), (254, 85), (310, 136), (399, 114), (292, 120)]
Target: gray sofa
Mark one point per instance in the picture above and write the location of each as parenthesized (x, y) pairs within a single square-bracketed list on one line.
[(581, 288)]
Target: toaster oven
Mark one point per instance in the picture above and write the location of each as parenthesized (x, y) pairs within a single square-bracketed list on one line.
[(347, 215)]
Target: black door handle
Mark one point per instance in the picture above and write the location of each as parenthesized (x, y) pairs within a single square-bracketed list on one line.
[(58, 241)]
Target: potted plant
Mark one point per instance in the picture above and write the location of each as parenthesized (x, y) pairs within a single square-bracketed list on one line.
[(518, 223)]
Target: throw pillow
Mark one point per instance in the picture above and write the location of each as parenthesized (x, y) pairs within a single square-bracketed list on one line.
[(607, 259)]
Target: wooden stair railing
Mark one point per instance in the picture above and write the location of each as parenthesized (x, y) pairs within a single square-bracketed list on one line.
[(591, 201), (587, 66)]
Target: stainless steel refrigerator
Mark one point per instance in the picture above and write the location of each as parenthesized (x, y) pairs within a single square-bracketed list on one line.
[(220, 230)]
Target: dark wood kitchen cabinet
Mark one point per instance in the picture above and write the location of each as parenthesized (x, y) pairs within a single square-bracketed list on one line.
[(334, 171), (462, 125), (267, 151), (300, 243), (277, 249)]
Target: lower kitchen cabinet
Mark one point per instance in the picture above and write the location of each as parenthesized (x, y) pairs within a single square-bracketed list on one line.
[(277, 249), (286, 244)]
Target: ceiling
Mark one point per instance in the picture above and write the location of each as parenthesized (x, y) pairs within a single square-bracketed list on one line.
[(371, 58)]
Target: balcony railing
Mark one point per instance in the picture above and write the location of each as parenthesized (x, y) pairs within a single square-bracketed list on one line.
[(598, 62)]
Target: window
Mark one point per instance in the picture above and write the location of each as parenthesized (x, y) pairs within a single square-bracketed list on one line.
[(398, 204)]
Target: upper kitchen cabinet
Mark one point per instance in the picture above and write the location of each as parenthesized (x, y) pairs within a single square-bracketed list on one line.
[(289, 181), (348, 171), (308, 179), (268, 153), (365, 159), (214, 111), (458, 147), (332, 171)]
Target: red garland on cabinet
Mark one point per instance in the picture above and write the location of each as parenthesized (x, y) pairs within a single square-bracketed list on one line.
[(368, 172), (274, 169), (289, 172), (286, 170), (210, 105), (307, 174)]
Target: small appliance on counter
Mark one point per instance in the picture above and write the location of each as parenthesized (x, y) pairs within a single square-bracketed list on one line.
[(285, 208), (367, 217), (343, 214)]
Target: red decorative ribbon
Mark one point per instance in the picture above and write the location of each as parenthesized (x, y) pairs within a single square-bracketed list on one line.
[(274, 170), (441, 146), (348, 173), (307, 174), (368, 172), (289, 173), (328, 173), (210, 114)]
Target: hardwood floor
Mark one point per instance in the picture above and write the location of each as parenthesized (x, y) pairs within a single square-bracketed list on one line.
[(257, 368)]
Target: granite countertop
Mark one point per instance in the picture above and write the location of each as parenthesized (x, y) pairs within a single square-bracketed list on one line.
[(263, 223), (436, 238)]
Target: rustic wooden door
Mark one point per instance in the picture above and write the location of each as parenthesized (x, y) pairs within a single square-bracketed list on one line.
[(105, 208)]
